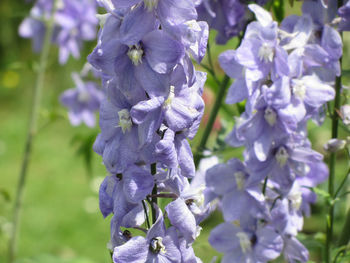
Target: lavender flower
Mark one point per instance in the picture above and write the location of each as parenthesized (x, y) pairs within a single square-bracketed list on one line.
[(160, 245), (246, 243), (82, 101), (280, 72), (152, 107), (74, 22)]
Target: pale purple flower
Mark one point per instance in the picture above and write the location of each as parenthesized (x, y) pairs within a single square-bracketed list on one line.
[(233, 184), (77, 23), (82, 101), (160, 245), (246, 243)]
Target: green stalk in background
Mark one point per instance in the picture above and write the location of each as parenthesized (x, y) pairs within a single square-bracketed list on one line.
[(214, 112), (332, 161), (32, 130)]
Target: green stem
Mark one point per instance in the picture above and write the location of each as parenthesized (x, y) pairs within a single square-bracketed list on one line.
[(332, 161), (211, 65), (264, 185), (154, 200), (146, 213), (342, 184), (212, 117), (345, 234), (32, 130)]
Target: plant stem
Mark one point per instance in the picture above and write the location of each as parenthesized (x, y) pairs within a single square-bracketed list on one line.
[(342, 184), (332, 160), (345, 234), (212, 117), (154, 200), (214, 112), (146, 213), (32, 130)]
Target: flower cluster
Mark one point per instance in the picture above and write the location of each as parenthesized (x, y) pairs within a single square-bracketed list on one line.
[(84, 100), (285, 75), (74, 22), (153, 105), (228, 17)]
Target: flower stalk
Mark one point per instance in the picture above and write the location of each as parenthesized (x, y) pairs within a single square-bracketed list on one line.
[(32, 130), (332, 161)]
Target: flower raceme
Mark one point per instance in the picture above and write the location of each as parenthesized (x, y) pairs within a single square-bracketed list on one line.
[(285, 73), (153, 105)]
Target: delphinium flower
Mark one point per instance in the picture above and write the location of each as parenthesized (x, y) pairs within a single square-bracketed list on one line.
[(285, 73), (153, 105), (83, 101), (344, 13), (228, 17), (74, 22)]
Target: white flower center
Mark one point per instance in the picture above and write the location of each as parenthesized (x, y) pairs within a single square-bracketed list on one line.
[(83, 96), (150, 4), (124, 120), (240, 179), (266, 53), (244, 242), (135, 54), (296, 199), (170, 98), (270, 116), (299, 89), (282, 156), (156, 245)]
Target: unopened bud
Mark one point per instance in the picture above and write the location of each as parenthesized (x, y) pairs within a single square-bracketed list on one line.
[(334, 145)]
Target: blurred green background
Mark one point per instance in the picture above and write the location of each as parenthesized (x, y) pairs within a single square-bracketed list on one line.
[(60, 217)]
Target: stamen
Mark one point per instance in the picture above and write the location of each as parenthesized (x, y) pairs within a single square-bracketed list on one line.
[(282, 156), (266, 53), (270, 116), (124, 120), (156, 245)]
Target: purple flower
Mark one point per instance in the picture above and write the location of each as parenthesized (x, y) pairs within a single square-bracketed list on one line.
[(226, 16), (138, 55), (160, 245), (33, 26), (260, 52), (321, 14), (344, 13), (169, 12), (273, 117), (244, 243), (119, 142), (284, 163), (82, 101), (233, 183), (77, 23), (74, 22)]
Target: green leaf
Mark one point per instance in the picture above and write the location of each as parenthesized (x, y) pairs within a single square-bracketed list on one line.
[(320, 192), (5, 194), (84, 144)]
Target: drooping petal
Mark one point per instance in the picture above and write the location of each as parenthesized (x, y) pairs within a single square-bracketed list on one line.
[(135, 250), (182, 218)]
